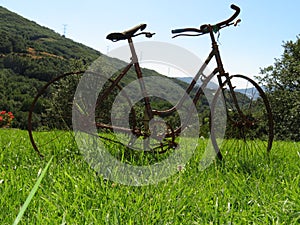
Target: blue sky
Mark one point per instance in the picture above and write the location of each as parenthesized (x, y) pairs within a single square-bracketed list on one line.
[(245, 49)]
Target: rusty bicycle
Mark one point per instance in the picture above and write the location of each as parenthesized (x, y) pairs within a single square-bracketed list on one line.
[(249, 120)]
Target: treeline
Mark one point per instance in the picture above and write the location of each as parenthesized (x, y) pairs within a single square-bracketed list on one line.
[(16, 95), (282, 81), (43, 69)]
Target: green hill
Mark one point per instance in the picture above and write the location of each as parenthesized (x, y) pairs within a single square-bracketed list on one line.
[(31, 55), (35, 51)]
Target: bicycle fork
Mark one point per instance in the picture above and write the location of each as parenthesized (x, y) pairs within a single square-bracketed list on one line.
[(231, 91), (222, 73)]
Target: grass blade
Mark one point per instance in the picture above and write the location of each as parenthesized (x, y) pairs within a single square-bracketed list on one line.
[(31, 194)]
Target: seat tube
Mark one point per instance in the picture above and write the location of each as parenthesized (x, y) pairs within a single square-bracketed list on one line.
[(134, 59)]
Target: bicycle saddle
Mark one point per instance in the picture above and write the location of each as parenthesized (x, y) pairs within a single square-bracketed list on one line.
[(126, 34)]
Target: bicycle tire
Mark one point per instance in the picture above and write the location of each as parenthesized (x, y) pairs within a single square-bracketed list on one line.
[(50, 128), (43, 133), (250, 134)]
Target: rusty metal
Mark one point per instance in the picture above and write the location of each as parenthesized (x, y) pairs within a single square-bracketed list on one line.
[(169, 140), (32, 107)]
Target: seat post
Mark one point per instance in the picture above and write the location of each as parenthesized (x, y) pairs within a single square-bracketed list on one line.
[(134, 58)]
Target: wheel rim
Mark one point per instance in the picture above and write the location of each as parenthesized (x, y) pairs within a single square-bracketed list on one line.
[(250, 133)]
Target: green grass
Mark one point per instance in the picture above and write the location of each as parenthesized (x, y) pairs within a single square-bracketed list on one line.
[(264, 191)]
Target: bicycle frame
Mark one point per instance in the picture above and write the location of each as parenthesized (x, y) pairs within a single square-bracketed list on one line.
[(248, 119), (219, 71)]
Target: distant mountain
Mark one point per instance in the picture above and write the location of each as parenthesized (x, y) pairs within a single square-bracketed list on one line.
[(251, 93), (211, 85)]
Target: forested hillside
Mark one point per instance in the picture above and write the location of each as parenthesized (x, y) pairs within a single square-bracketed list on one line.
[(31, 55)]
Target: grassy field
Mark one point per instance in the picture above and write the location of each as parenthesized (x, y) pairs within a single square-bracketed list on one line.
[(238, 191)]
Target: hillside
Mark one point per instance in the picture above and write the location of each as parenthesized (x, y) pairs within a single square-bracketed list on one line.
[(188, 80), (31, 55), (22, 34), (35, 51)]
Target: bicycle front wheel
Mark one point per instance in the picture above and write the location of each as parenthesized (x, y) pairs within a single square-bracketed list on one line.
[(249, 128)]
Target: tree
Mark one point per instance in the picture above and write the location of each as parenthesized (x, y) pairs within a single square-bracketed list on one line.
[(6, 45), (57, 112), (282, 82)]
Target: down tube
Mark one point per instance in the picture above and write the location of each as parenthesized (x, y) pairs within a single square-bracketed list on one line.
[(201, 91)]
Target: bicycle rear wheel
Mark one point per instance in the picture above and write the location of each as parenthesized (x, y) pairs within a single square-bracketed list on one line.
[(249, 128)]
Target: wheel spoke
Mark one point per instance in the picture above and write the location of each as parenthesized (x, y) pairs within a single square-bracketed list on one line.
[(250, 132)]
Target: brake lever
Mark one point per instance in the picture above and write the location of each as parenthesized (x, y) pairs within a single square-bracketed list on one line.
[(147, 34), (237, 22)]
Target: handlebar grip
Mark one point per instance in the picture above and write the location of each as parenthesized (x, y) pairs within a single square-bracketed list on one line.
[(235, 15), (236, 8), (177, 31)]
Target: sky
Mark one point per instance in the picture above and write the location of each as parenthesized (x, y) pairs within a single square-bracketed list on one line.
[(254, 44)]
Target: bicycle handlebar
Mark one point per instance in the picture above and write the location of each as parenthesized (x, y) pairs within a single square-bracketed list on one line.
[(177, 31), (235, 15), (203, 29)]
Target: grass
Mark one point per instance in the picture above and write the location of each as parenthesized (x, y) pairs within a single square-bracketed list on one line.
[(238, 191), (31, 194)]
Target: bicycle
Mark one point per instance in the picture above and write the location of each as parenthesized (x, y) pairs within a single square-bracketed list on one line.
[(249, 116)]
